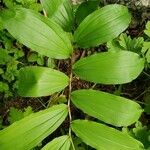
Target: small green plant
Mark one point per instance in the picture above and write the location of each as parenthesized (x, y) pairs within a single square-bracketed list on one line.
[(16, 114), (146, 47), (31, 4), (126, 43), (10, 58), (47, 37)]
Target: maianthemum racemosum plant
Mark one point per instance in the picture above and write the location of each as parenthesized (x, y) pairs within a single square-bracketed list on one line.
[(46, 35)]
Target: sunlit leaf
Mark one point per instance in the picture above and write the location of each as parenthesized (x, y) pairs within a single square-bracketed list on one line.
[(102, 25), (110, 67), (37, 32), (30, 131), (147, 30), (60, 11), (102, 137), (40, 81), (60, 143), (107, 107), (15, 115), (85, 9), (146, 51)]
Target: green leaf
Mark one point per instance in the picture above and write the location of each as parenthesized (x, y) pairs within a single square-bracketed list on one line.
[(37, 32), (40, 61), (40, 81), (1, 71), (27, 111), (110, 67), (113, 45), (102, 137), (125, 42), (112, 109), (102, 26), (33, 57), (85, 9), (134, 45), (50, 63), (4, 57), (60, 143), (9, 3), (142, 134), (15, 115), (60, 11), (30, 131), (4, 87), (146, 51), (147, 30), (36, 7), (1, 24)]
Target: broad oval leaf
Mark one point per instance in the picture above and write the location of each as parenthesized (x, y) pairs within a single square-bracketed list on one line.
[(110, 67), (102, 137), (102, 25), (37, 32), (85, 9), (109, 108), (147, 30), (30, 131), (60, 11), (60, 143), (40, 81)]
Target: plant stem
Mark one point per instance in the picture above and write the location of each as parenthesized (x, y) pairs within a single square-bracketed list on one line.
[(69, 96), (69, 99), (146, 74)]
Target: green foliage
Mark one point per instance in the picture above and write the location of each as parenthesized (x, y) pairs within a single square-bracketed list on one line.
[(133, 45), (4, 87), (146, 51), (31, 130), (109, 108), (40, 81), (60, 11), (57, 100), (78, 144), (16, 114), (100, 136), (85, 9), (147, 30), (125, 42), (62, 143), (35, 57), (10, 59), (140, 133), (146, 46), (110, 67), (97, 27), (46, 37), (32, 4)]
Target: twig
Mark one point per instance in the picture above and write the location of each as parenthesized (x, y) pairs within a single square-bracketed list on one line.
[(146, 74), (42, 103), (140, 94), (69, 99)]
